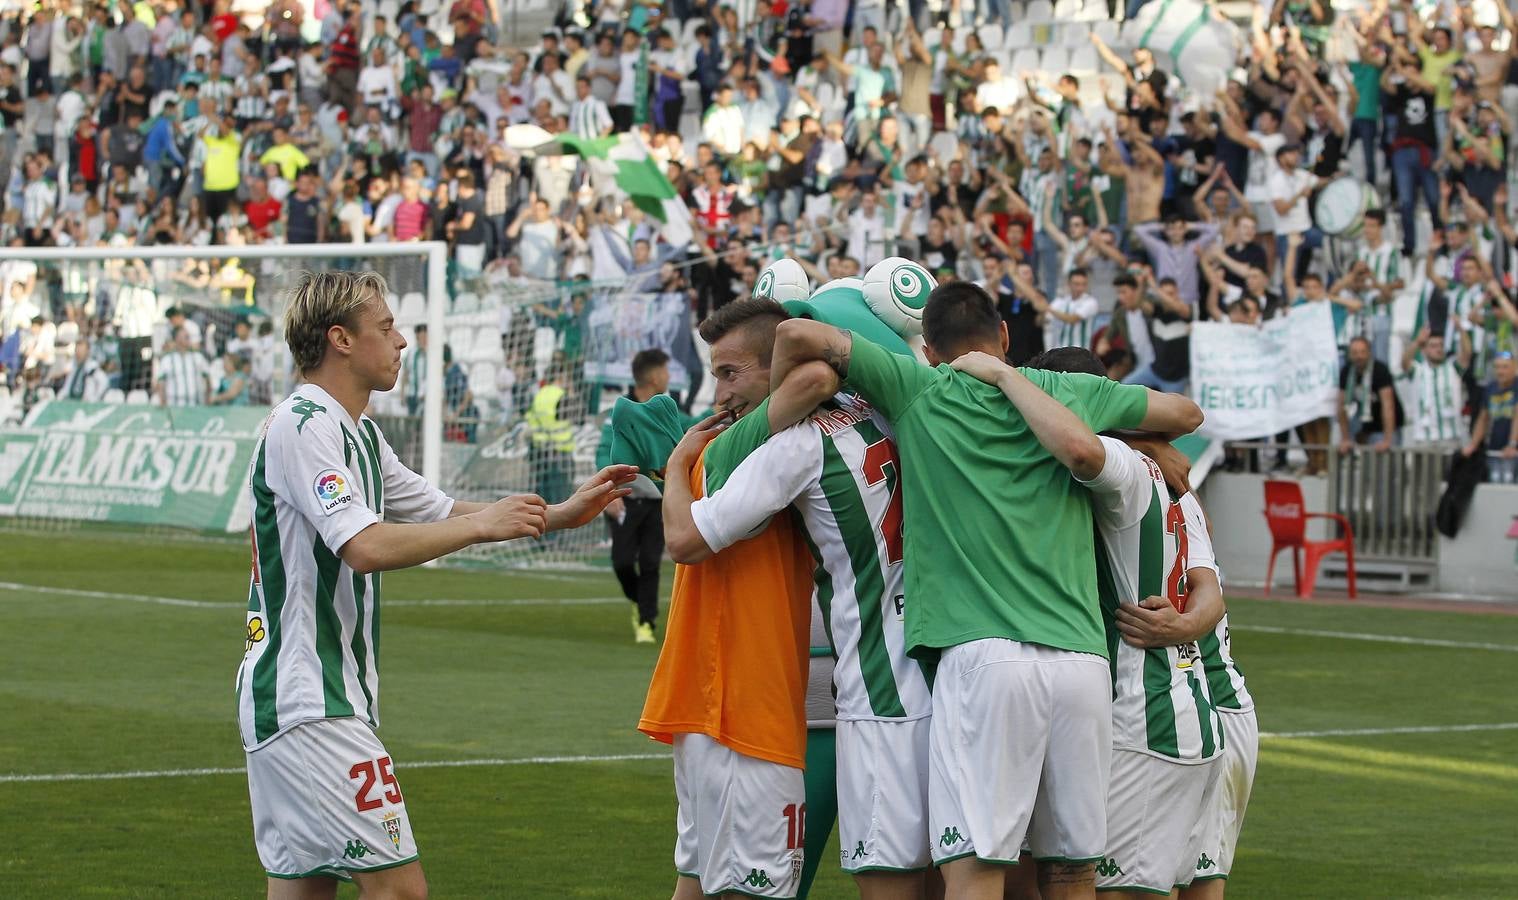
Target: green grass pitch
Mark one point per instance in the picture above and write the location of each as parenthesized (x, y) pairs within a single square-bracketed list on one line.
[(502, 668)]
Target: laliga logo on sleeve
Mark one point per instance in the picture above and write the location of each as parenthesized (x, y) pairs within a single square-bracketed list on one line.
[(332, 491)]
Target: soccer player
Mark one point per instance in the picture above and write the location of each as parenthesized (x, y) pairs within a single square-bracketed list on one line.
[(1155, 559), (839, 471), (728, 691), (1001, 561), (329, 499)]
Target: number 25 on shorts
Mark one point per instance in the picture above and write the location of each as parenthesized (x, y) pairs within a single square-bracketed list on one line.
[(366, 770)]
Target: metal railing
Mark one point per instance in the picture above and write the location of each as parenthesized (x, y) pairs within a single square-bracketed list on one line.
[(1388, 496)]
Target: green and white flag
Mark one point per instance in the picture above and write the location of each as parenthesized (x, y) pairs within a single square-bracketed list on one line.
[(620, 164)]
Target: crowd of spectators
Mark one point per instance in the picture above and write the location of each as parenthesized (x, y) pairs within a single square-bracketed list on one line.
[(1102, 201)]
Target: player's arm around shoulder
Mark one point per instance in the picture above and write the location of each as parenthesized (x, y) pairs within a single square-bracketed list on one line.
[(1122, 490), (1060, 431)]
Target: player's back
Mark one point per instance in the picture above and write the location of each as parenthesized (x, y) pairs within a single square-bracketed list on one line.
[(1160, 702), (852, 512), (998, 534)]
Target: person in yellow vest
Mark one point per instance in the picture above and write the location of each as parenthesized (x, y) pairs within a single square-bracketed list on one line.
[(223, 146), (553, 438)]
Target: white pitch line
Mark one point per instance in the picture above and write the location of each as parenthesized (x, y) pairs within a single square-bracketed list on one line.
[(1407, 729), (638, 757), (431, 764), (1379, 638), (211, 604)]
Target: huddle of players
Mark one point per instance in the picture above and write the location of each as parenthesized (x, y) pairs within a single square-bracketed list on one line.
[(991, 663)]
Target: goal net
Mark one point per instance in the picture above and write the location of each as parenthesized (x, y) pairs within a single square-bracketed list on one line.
[(134, 380)]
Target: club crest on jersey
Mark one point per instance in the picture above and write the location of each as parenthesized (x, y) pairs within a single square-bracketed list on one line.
[(332, 491), (392, 823)]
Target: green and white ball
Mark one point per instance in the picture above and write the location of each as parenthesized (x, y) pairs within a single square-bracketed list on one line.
[(896, 290), (783, 280)]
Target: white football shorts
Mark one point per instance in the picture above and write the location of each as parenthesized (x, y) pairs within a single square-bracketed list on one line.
[(1153, 806), (1021, 744), (741, 821), (326, 802), (1225, 819), (883, 795)]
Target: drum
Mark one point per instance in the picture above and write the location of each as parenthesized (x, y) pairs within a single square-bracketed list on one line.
[(1340, 208)]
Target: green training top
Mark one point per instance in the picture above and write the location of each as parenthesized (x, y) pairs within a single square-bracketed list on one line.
[(998, 533)]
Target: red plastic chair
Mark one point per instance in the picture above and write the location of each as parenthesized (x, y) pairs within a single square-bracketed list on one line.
[(1287, 518)]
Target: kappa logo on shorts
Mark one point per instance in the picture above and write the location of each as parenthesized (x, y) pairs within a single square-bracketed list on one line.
[(1204, 863), (332, 491), (392, 822), (357, 849), (757, 878), (859, 851), (951, 836), (1108, 867)]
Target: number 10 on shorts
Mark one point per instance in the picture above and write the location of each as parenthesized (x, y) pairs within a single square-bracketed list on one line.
[(795, 825), (366, 770)]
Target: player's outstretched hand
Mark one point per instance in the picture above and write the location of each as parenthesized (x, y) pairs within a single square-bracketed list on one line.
[(982, 366), (683, 457), (591, 498), (522, 515), (1153, 622)]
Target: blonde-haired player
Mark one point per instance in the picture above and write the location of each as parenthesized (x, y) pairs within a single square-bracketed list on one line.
[(332, 508)]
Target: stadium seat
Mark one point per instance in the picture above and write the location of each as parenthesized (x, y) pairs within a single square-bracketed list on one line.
[(1039, 12), (461, 341), (482, 380), (45, 393), (990, 36), (932, 36), (466, 303), (114, 395), (1075, 36), (487, 344), (1092, 11), (1287, 517), (1020, 35), (1067, 10), (1085, 61), (413, 309), (1108, 30), (1054, 60), (1026, 60), (138, 397)]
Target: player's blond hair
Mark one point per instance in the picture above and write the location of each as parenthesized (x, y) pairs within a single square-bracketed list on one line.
[(321, 300)]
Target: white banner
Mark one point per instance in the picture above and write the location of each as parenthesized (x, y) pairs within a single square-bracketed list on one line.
[(1253, 382)]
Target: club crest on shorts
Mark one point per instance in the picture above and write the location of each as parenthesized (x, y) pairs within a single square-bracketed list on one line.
[(392, 823), (332, 491)]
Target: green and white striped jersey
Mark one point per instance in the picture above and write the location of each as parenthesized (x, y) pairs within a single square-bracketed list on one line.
[(1438, 401), (1160, 702), (317, 479), (1385, 264), (1059, 333), (1225, 682), (183, 376), (840, 472)]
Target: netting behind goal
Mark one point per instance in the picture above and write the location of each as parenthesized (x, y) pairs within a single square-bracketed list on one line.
[(116, 416)]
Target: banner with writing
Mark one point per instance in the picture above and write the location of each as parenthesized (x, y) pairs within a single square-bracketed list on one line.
[(184, 467), (619, 325), (1256, 381)]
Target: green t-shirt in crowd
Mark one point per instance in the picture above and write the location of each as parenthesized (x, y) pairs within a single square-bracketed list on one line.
[(998, 533), (1368, 89)]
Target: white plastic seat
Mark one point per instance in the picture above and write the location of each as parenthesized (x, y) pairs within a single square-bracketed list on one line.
[(1039, 11), (990, 35), (466, 303), (1019, 36), (1108, 30), (1026, 60), (1067, 10), (487, 344), (1085, 61), (1075, 35), (114, 395), (482, 380), (413, 309), (45, 393), (1055, 61), (138, 397)]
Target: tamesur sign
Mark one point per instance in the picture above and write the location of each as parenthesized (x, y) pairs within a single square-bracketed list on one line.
[(185, 467), (1254, 381)]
